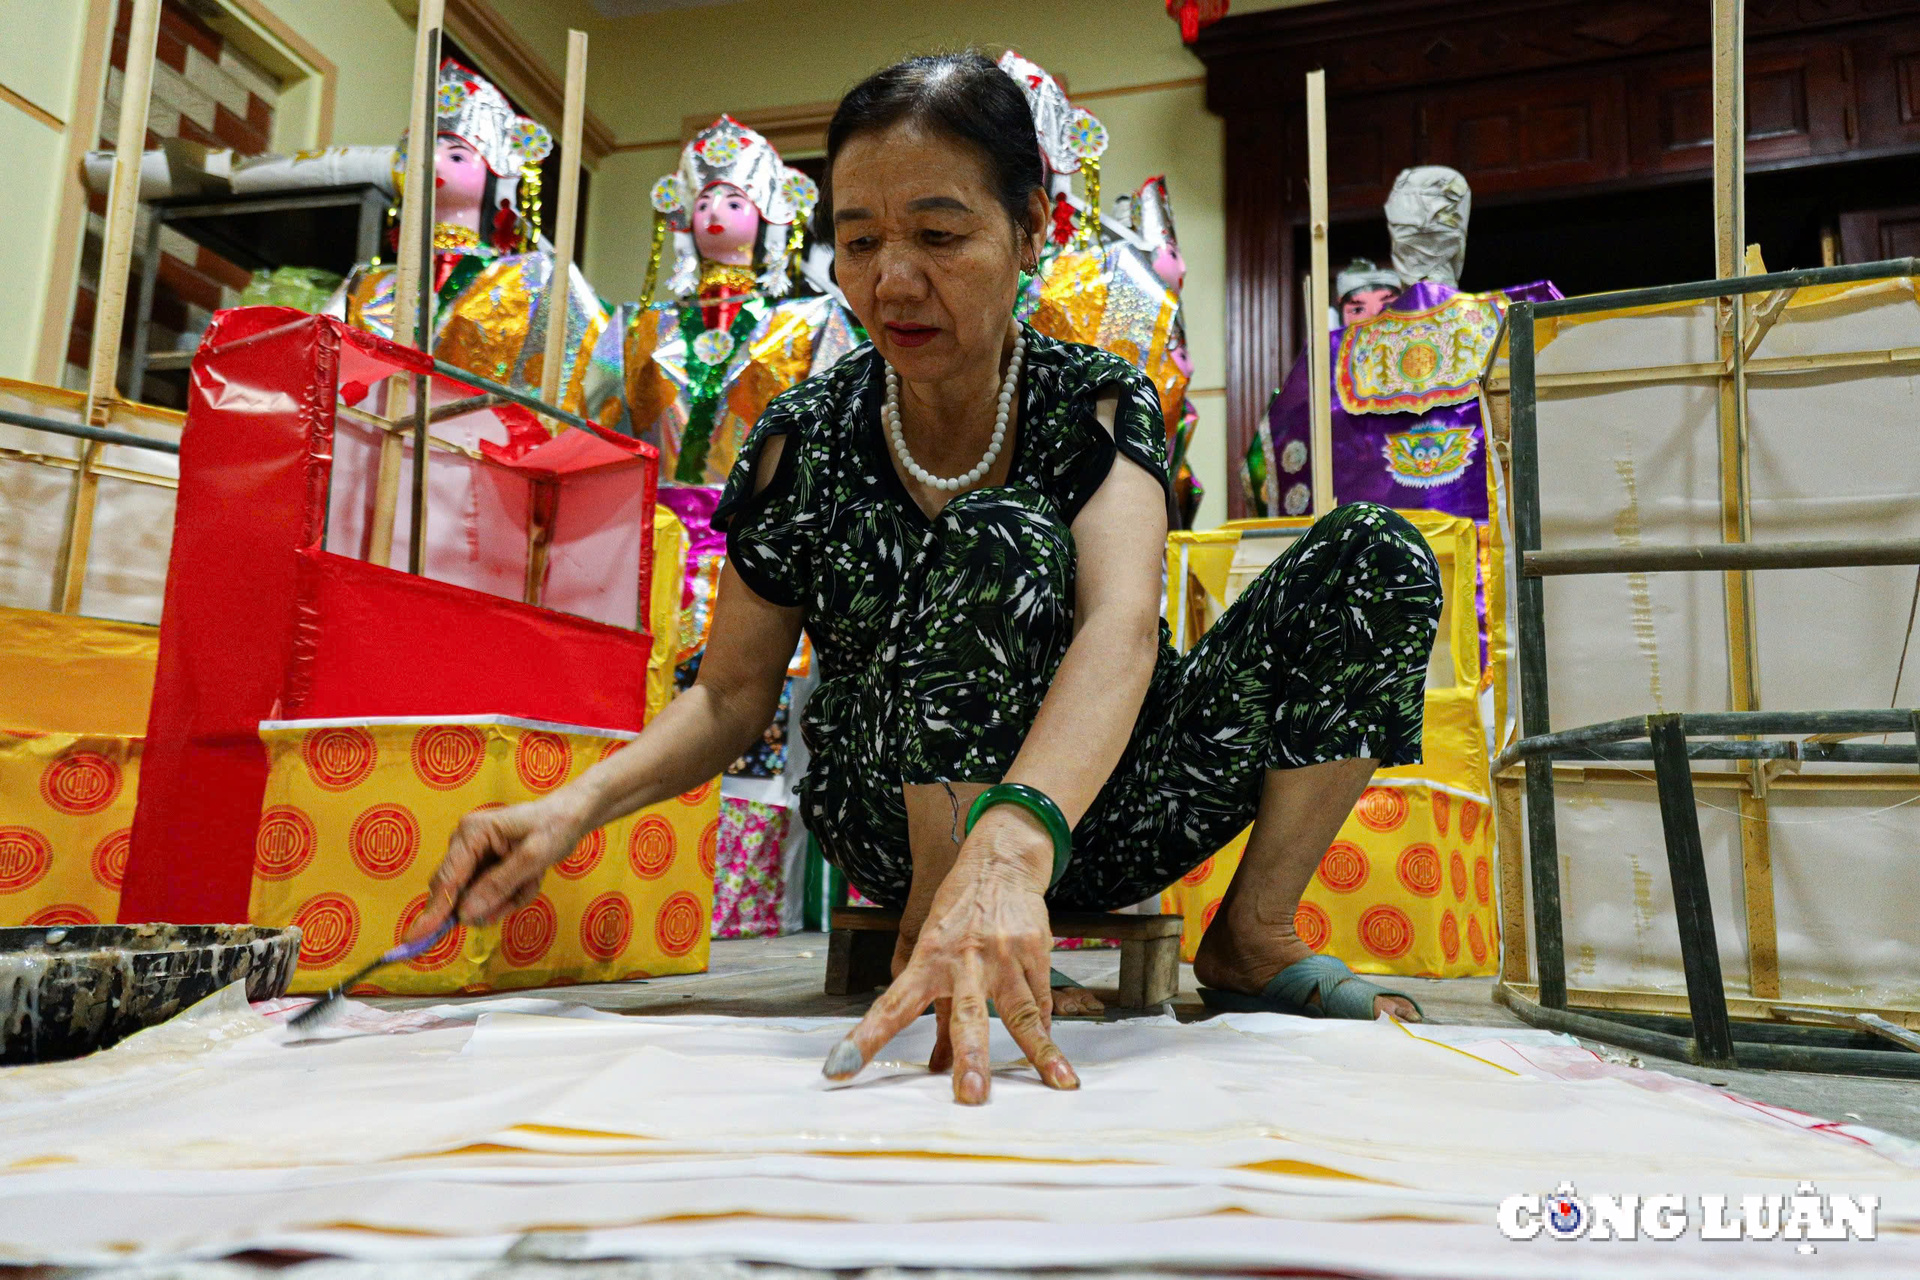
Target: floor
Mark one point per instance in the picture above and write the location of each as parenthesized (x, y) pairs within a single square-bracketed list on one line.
[(783, 976)]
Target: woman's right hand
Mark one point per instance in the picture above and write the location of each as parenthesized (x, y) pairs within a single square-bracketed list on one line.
[(496, 859)]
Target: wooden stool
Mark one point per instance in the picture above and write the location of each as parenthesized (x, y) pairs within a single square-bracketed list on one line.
[(860, 951)]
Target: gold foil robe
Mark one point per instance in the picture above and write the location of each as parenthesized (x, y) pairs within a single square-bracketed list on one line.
[(638, 378), (1111, 299), (494, 324)]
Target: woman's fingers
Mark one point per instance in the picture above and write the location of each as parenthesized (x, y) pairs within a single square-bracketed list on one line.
[(1022, 1014), (896, 1008), (942, 1037), (972, 1063), (472, 842)]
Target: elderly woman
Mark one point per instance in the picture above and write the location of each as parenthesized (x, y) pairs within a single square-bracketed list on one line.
[(968, 519)]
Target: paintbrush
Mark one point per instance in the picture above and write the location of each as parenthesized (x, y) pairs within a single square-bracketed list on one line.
[(327, 1003)]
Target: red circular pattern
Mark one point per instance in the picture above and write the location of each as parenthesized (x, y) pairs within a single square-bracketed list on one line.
[(585, 856), (110, 859), (25, 856), (651, 847), (1469, 820), (1476, 941), (1344, 867), (1482, 881), (678, 925), (1386, 930), (441, 953), (80, 783), (606, 926), (1457, 872), (284, 843), (329, 925), (700, 792), (542, 759), (613, 745), (709, 849), (1381, 809), (62, 915), (528, 933), (339, 759), (1449, 937), (446, 756), (1206, 917), (384, 841), (1311, 924), (1199, 874), (1419, 870), (1442, 810)]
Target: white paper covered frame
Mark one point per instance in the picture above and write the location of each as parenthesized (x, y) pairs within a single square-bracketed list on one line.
[(1835, 453)]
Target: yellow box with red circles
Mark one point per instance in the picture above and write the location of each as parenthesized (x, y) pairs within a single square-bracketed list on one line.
[(73, 714), (357, 815), (1407, 885)]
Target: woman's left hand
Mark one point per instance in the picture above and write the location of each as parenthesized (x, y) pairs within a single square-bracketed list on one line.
[(987, 936)]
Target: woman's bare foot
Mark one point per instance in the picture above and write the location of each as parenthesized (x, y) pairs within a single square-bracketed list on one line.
[(1242, 952), (1076, 1002)]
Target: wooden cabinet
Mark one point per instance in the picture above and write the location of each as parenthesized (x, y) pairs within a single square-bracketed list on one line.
[(1799, 105), (1553, 131)]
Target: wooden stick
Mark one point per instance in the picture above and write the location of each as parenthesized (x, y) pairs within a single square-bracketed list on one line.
[(123, 208), (560, 282), (1319, 396), (1770, 366), (1676, 1003), (416, 211), (116, 263), (1736, 511)]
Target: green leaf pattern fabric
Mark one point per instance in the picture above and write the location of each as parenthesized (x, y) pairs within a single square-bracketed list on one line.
[(938, 639)]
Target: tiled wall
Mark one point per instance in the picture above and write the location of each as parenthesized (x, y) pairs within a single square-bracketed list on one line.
[(205, 91)]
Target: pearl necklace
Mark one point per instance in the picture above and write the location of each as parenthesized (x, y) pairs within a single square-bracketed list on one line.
[(1002, 409)]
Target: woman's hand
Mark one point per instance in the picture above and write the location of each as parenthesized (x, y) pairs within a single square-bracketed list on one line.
[(496, 859), (986, 936)]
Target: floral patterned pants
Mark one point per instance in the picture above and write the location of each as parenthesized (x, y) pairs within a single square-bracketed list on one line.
[(1322, 658)]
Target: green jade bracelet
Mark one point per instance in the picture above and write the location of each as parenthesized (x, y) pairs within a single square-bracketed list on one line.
[(1041, 806)]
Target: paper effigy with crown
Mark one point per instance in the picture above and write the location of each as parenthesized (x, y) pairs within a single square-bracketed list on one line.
[(1108, 284), (691, 375), (491, 269)]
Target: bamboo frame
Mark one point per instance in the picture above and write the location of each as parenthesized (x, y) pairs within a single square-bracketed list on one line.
[(116, 264), (560, 282), (1757, 764), (1319, 374)]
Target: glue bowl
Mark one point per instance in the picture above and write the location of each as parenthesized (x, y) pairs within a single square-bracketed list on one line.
[(68, 990)]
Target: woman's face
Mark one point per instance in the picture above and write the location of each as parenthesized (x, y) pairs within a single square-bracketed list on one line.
[(725, 224), (459, 182), (924, 251)]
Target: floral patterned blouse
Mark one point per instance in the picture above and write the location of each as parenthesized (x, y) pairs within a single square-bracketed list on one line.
[(836, 532)]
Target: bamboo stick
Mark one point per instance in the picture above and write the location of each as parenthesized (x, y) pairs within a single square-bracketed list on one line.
[(560, 283), (1319, 396), (1771, 367), (109, 316), (1676, 1003), (1736, 511), (416, 214)]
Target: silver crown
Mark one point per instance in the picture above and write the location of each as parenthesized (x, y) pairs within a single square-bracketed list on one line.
[(1068, 134)]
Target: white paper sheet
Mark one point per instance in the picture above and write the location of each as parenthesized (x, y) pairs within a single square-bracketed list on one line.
[(214, 1134)]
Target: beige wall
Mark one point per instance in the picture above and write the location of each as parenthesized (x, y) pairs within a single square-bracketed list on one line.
[(39, 62), (371, 48)]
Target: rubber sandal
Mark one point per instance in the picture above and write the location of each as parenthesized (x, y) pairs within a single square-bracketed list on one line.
[(1057, 980), (1343, 993)]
